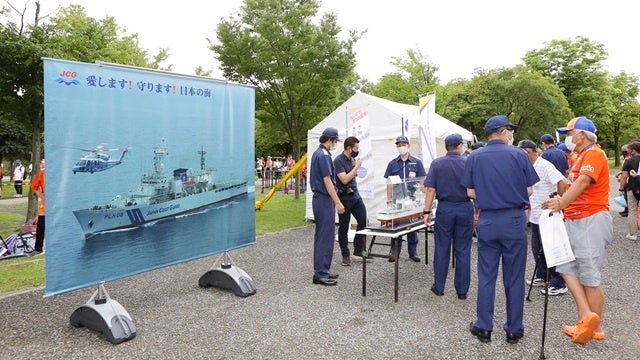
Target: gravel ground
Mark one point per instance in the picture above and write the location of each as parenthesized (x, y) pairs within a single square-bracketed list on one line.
[(290, 318)]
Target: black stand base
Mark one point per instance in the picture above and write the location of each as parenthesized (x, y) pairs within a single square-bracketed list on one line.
[(106, 316), (229, 277)]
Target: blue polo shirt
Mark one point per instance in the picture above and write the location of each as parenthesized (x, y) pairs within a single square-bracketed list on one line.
[(405, 169), (444, 175), (557, 158), (500, 175), (343, 164), (321, 166)]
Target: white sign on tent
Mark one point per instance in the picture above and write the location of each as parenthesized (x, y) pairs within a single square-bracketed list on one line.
[(359, 125)]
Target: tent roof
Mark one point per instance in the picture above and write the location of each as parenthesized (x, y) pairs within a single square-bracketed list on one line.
[(442, 127)]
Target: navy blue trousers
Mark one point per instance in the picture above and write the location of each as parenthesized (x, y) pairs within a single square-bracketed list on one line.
[(323, 238), (412, 244), (453, 225), (502, 235)]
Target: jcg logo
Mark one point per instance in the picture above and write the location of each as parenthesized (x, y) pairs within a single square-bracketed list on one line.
[(67, 77)]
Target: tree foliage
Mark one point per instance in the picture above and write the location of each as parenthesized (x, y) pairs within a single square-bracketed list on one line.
[(530, 99), (298, 65), (576, 66), (70, 35), (414, 76)]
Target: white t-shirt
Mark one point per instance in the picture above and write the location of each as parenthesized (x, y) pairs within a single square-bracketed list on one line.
[(549, 177), (18, 173)]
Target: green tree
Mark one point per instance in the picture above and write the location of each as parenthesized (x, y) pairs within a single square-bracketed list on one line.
[(576, 66), (299, 68), (68, 35), (530, 99), (414, 76), (623, 125)]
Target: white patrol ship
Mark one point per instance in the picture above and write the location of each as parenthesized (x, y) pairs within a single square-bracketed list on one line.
[(159, 196)]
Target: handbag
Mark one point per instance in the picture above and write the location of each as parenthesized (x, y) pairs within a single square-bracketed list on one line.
[(555, 240)]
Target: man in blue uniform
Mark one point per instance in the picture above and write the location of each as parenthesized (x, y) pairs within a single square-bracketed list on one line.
[(347, 165), (455, 217), (322, 180), (500, 177), (554, 155), (405, 166)]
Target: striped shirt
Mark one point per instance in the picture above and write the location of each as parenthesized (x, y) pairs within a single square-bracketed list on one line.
[(549, 178)]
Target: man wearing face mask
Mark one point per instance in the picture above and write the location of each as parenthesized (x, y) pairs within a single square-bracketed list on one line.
[(405, 166), (500, 178), (589, 227), (322, 179), (347, 165)]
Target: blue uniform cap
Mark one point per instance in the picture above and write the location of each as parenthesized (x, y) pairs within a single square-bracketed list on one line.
[(402, 139), (499, 121), (547, 138), (453, 140), (563, 147), (331, 133), (527, 144)]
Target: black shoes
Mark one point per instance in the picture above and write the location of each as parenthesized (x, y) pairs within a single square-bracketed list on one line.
[(325, 282), (435, 291), (513, 338), (414, 258), (334, 276), (482, 335), (392, 256), (462, 296), (624, 213)]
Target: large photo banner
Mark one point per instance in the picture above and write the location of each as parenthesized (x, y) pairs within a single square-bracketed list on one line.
[(145, 169)]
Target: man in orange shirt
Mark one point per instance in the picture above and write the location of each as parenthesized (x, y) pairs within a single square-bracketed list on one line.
[(37, 185), (589, 226)]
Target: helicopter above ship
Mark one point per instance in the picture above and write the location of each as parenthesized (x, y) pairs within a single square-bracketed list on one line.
[(98, 159)]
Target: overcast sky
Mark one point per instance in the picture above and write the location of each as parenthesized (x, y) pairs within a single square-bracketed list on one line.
[(456, 35)]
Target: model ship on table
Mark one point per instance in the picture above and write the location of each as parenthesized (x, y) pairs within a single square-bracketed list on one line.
[(406, 203), (400, 213), (159, 196)]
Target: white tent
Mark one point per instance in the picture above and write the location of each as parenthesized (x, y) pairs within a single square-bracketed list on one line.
[(376, 123)]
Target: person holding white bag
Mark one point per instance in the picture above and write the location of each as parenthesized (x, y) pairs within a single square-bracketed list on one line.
[(589, 227), (551, 180)]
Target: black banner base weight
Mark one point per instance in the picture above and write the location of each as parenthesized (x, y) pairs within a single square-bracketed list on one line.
[(106, 316), (229, 277)]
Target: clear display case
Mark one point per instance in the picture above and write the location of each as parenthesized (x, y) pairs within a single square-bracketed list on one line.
[(405, 202)]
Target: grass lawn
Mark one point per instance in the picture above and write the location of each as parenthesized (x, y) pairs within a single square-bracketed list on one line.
[(279, 213)]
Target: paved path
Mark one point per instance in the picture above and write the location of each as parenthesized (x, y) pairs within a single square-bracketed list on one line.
[(290, 318)]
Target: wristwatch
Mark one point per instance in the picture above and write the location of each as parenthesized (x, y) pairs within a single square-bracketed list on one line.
[(425, 212)]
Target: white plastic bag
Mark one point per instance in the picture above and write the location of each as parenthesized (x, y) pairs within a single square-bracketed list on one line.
[(555, 241)]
